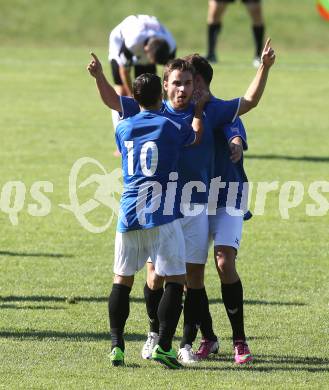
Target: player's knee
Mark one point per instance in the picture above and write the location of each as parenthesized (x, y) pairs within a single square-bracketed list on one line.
[(178, 279), (195, 275), (256, 14), (213, 12), (225, 259), (125, 280), (154, 281)]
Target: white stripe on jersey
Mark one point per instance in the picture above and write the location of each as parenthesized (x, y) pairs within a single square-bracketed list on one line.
[(175, 123), (237, 111)]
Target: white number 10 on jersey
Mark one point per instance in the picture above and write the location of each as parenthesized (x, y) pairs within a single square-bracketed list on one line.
[(147, 171)]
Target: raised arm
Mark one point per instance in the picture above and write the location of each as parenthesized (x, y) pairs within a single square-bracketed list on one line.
[(106, 91), (257, 86)]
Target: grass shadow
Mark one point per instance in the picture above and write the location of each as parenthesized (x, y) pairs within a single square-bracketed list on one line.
[(77, 299), (269, 363), (317, 159), (275, 359), (43, 307), (69, 336), (255, 368), (31, 254), (68, 299), (261, 302)]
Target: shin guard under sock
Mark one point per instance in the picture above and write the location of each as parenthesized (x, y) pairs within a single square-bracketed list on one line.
[(232, 295), (169, 311), (118, 307)]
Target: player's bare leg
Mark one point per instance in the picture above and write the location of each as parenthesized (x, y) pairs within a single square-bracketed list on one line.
[(214, 22), (232, 295), (258, 29), (225, 263), (195, 275)]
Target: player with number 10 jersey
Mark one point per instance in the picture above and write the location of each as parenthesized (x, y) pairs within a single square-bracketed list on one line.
[(150, 145)]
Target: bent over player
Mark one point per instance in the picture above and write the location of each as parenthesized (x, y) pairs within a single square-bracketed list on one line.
[(139, 41)]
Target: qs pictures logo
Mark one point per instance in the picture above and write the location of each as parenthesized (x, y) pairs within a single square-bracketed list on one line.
[(108, 185), (105, 189)]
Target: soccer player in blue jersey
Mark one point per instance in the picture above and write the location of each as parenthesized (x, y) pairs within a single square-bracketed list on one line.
[(228, 204), (195, 165), (195, 228), (225, 225), (150, 145)]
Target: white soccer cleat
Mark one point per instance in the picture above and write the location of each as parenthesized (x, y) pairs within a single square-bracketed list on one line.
[(151, 342), (186, 355)]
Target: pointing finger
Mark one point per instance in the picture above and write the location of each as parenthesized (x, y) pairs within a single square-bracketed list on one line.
[(94, 56), (267, 44)]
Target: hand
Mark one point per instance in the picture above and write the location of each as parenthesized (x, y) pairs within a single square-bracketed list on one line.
[(95, 66), (236, 149), (201, 97), (268, 54)]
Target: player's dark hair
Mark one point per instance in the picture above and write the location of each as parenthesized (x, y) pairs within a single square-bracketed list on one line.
[(147, 89), (201, 66), (158, 50), (177, 64)]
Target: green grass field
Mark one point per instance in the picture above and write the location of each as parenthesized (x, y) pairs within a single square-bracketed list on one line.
[(55, 275)]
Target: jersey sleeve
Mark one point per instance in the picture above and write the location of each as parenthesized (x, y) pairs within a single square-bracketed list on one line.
[(222, 112), (118, 137), (236, 129), (129, 107)]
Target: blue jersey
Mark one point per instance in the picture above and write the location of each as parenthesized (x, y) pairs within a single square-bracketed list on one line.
[(228, 171), (150, 145), (195, 163), (221, 112), (129, 107)]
